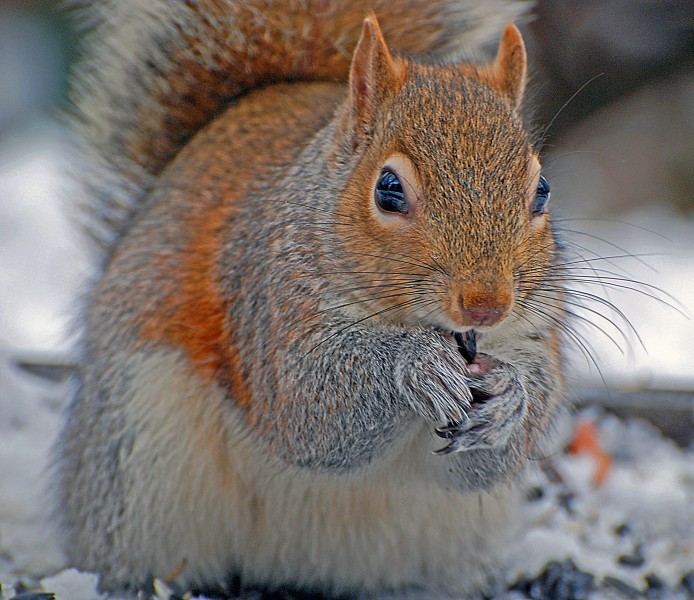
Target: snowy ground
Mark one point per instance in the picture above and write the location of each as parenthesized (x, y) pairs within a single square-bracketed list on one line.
[(650, 490)]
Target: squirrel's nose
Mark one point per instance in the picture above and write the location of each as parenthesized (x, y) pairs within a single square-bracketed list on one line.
[(481, 305)]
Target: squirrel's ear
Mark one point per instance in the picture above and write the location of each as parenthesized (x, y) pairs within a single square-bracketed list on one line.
[(374, 75), (511, 65)]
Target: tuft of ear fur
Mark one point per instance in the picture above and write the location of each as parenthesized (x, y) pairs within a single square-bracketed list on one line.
[(374, 75), (510, 66)]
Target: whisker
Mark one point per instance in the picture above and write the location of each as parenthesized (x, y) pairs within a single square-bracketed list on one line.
[(613, 245), (603, 301), (412, 262), (361, 320), (373, 298), (402, 274), (577, 250), (293, 322), (615, 222), (569, 101), (407, 286), (555, 158), (620, 283), (575, 315), (583, 345)]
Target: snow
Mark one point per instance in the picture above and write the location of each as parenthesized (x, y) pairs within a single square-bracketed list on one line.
[(38, 279), (71, 584), (650, 489)]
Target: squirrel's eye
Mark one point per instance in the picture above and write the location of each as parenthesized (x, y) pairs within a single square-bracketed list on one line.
[(389, 195), (541, 196)]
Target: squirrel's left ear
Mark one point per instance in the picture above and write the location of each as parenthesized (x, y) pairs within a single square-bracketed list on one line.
[(374, 75), (510, 66)]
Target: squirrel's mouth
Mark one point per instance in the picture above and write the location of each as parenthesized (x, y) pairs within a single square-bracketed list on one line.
[(465, 342)]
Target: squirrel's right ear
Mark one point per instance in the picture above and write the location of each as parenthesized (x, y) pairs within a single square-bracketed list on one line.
[(374, 75), (510, 66)]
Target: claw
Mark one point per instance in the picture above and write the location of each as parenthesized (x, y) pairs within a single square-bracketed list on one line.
[(444, 432), (448, 431), (461, 441), (449, 449), (480, 396)]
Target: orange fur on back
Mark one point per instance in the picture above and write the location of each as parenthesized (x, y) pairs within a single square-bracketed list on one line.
[(208, 181)]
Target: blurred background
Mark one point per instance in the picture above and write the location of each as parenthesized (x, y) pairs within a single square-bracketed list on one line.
[(612, 93), (40, 258)]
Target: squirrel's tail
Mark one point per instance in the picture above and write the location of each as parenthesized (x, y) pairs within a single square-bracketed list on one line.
[(156, 71)]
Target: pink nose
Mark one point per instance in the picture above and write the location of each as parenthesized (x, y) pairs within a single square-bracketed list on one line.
[(484, 303), (482, 315)]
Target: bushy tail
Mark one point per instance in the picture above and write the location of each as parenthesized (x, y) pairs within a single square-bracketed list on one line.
[(156, 71)]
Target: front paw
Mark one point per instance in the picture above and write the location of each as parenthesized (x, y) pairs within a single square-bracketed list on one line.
[(433, 378), (498, 407)]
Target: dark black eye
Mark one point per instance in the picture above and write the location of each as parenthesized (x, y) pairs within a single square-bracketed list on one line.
[(541, 197), (389, 194)]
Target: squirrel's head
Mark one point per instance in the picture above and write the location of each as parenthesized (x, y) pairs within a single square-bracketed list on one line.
[(445, 205)]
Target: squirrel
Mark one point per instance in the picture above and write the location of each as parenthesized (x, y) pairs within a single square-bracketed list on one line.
[(325, 340)]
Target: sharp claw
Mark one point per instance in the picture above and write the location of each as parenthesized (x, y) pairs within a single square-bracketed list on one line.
[(448, 431), (449, 449), (480, 396)]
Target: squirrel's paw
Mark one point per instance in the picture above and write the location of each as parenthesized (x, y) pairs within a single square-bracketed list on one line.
[(499, 404), (436, 384)]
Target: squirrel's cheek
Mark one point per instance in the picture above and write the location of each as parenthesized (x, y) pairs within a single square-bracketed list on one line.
[(539, 222)]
